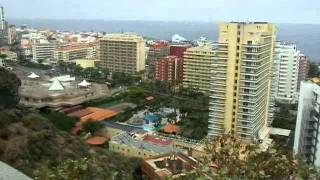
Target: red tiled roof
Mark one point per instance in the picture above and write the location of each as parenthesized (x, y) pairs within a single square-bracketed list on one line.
[(170, 128), (98, 114), (97, 140), (72, 47), (149, 98), (157, 140), (92, 113), (80, 113)]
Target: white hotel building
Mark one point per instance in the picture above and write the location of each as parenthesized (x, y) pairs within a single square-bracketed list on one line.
[(285, 72), (307, 132)]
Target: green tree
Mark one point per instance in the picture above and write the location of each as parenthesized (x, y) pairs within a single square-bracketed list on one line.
[(91, 126), (314, 70), (9, 89), (284, 119), (40, 61), (62, 121), (3, 56)]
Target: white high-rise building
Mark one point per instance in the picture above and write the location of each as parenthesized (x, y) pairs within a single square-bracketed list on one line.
[(307, 132), (285, 72), (2, 20)]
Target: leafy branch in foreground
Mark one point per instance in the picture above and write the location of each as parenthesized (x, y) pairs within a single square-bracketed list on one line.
[(231, 158)]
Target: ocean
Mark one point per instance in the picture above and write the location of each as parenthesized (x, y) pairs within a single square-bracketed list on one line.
[(306, 36)]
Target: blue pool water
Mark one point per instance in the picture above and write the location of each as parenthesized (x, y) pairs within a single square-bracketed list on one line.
[(151, 118)]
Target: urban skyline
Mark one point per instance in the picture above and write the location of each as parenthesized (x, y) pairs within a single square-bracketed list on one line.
[(157, 108)]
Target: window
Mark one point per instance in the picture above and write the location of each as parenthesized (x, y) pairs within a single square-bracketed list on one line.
[(238, 40), (249, 42)]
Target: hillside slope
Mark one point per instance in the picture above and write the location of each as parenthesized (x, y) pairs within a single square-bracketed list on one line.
[(33, 145)]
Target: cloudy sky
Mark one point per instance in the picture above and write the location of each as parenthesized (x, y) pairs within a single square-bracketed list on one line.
[(279, 11)]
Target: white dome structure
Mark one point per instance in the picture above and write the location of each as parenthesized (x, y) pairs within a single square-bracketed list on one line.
[(84, 83), (33, 76)]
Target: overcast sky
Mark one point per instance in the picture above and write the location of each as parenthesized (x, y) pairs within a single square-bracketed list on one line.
[(279, 11)]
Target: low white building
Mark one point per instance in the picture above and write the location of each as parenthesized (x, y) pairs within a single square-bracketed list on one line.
[(307, 132), (285, 72), (43, 51)]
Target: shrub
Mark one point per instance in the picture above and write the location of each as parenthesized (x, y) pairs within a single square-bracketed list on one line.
[(91, 126), (62, 121)]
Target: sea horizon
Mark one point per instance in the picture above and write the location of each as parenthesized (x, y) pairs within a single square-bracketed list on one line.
[(306, 36)]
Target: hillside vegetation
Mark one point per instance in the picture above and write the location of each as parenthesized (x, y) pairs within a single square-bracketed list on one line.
[(32, 144)]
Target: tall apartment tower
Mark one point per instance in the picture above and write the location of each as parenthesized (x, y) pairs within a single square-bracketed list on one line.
[(169, 69), (286, 68), (304, 66), (2, 20), (12, 34), (197, 65), (123, 53), (157, 51), (241, 80), (307, 132)]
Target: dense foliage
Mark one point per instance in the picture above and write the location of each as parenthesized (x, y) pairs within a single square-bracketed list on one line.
[(231, 158), (102, 101), (61, 121), (195, 125), (97, 74), (314, 70), (285, 116), (91, 126), (9, 87)]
